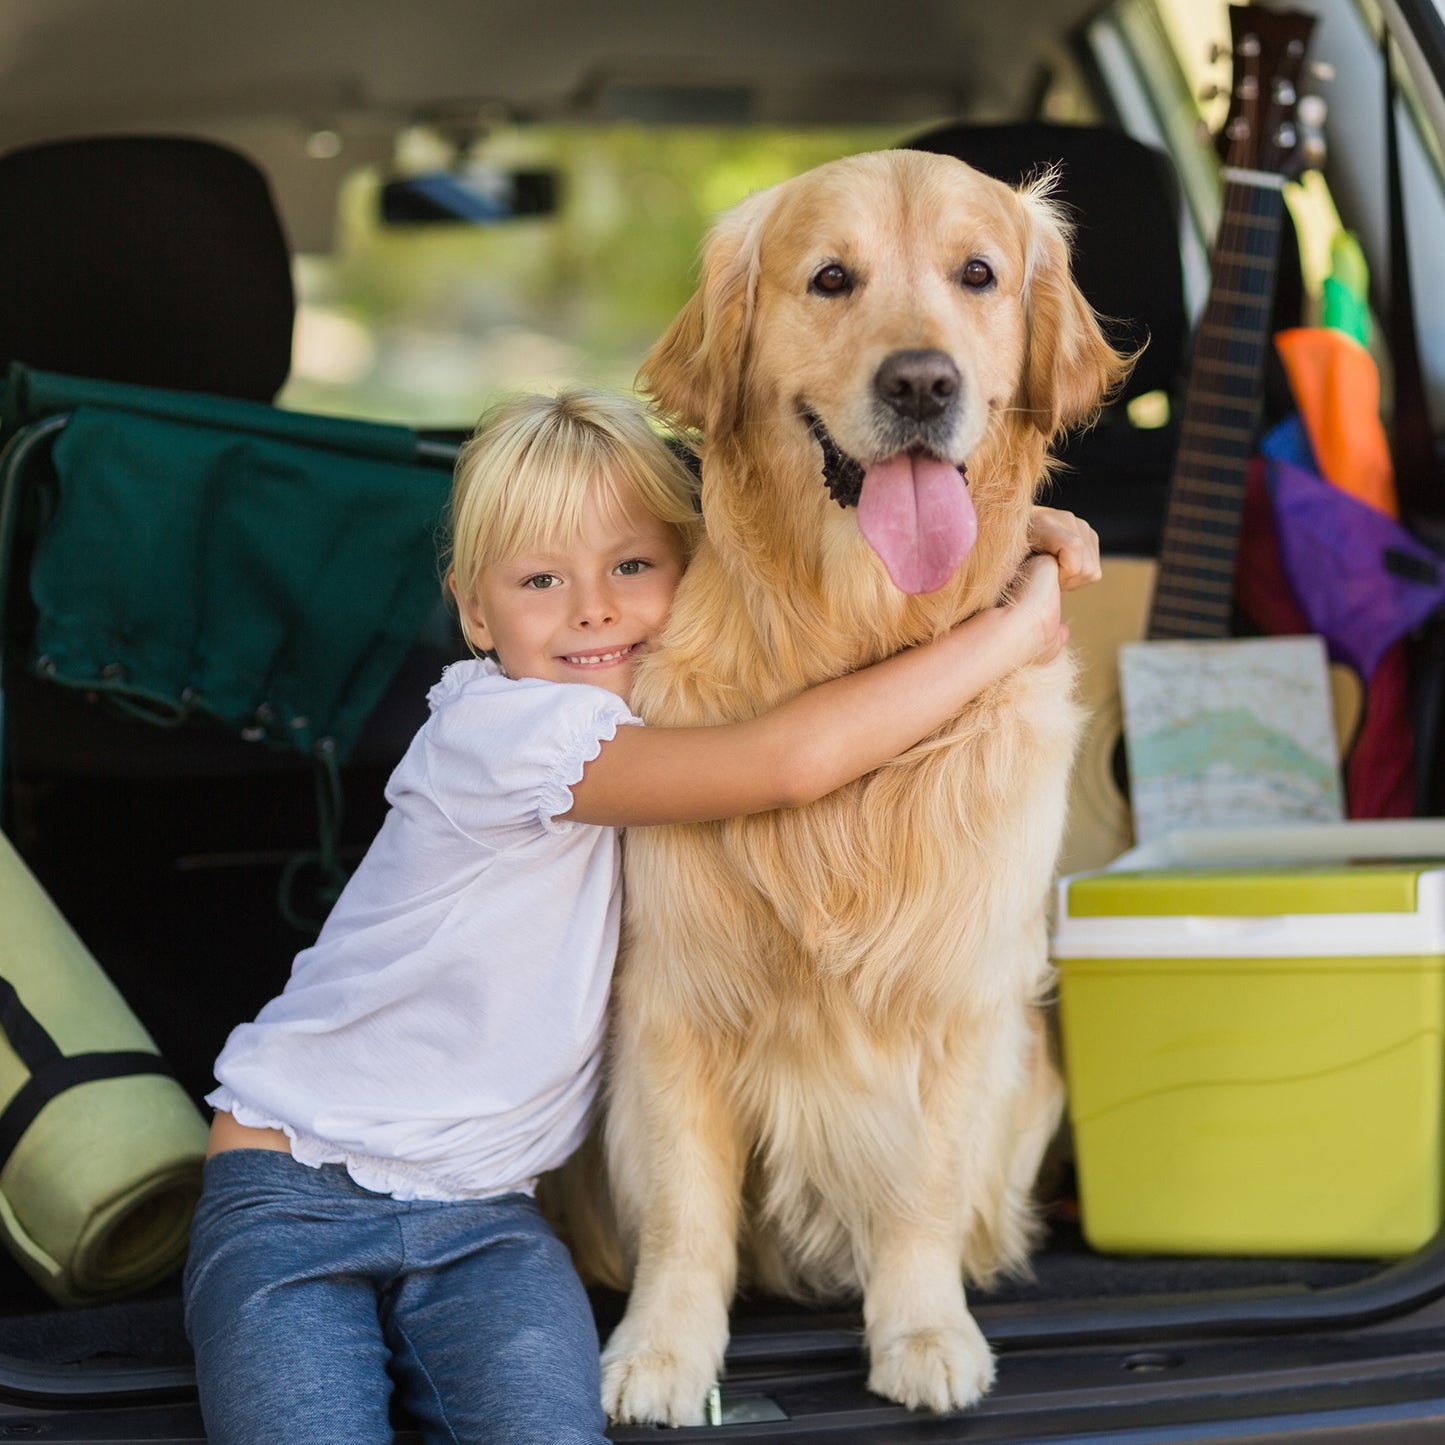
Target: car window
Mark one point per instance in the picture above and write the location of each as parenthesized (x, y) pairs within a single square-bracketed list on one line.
[(1159, 62), (424, 323)]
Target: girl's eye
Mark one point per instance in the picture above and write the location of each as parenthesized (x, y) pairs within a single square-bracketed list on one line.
[(976, 274), (541, 582), (832, 280), (633, 567)]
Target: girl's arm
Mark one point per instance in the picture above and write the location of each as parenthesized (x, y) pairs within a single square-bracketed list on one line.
[(825, 737)]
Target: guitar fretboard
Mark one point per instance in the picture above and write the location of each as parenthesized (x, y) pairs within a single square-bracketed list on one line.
[(1194, 593)]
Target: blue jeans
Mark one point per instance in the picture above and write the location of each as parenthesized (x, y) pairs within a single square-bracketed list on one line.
[(308, 1298)]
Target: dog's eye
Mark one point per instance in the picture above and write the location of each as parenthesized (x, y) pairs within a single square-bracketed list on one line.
[(832, 280), (976, 274)]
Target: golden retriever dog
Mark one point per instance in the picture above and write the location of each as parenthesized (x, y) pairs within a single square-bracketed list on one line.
[(828, 1057)]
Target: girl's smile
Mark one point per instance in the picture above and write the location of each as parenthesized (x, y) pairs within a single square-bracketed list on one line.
[(602, 659)]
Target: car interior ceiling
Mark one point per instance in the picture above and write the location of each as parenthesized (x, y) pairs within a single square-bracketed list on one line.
[(146, 838)]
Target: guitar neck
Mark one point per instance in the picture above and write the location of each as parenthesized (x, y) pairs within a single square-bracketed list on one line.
[(1194, 593)]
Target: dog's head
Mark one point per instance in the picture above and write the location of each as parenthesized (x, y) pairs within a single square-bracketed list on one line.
[(911, 323)]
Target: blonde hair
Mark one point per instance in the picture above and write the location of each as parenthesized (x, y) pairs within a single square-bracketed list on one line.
[(523, 480)]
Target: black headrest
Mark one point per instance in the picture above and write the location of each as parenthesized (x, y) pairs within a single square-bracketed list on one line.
[(156, 260), (1123, 198)]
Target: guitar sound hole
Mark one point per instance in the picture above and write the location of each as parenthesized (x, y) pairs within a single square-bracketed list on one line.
[(1119, 767)]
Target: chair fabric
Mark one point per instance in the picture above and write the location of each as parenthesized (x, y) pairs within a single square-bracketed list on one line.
[(210, 558), (150, 260)]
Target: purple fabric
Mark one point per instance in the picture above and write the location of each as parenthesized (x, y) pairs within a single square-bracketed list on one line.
[(1344, 560)]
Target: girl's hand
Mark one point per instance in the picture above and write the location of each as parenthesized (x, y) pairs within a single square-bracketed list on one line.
[(1034, 599), (1071, 541)]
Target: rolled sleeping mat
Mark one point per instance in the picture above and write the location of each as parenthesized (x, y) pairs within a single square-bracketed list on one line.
[(100, 1148)]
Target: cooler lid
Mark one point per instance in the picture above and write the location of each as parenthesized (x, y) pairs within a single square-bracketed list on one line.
[(1386, 885)]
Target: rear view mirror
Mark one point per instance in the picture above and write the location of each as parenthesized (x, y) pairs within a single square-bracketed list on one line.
[(476, 195)]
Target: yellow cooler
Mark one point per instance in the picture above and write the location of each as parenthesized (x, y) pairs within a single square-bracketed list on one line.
[(1252, 1032)]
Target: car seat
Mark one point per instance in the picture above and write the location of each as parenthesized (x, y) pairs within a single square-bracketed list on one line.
[(1123, 199), (146, 312), (155, 260)]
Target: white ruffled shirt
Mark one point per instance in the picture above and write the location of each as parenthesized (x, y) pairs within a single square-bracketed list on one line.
[(442, 1037)]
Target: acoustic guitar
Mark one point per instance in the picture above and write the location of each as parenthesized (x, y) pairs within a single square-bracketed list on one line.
[(1189, 592)]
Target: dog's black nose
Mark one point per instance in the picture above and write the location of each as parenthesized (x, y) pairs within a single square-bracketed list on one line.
[(918, 384)]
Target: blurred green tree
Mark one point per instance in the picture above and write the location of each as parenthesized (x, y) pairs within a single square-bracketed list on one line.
[(425, 323)]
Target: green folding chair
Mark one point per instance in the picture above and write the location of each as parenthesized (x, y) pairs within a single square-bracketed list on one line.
[(192, 559)]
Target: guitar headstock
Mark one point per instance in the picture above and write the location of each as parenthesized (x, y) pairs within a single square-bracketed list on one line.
[(1262, 131)]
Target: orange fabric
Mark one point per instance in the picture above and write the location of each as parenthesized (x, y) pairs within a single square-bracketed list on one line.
[(1337, 389)]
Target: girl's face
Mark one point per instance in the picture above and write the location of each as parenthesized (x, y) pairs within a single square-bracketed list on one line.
[(584, 612)]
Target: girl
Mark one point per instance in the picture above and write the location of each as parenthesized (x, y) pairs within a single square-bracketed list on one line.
[(367, 1220)]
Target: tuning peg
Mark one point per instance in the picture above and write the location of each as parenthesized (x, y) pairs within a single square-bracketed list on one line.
[(1311, 113), (1322, 71), (1211, 92)]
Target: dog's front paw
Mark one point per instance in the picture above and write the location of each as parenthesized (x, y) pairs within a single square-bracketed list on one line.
[(936, 1369), (652, 1386)]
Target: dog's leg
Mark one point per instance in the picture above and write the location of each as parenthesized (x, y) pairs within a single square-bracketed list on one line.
[(926, 1350), (677, 1160), (578, 1205), (1037, 1115), (1008, 1142), (925, 1347)]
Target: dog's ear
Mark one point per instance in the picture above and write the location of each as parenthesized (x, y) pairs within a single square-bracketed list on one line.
[(695, 372), (1071, 369)]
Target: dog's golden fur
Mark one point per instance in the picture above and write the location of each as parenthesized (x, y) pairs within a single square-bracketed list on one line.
[(827, 1048)]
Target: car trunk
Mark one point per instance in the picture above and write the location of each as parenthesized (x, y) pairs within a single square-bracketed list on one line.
[(173, 885)]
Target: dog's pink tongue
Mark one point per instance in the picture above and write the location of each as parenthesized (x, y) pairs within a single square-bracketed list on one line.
[(917, 515)]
